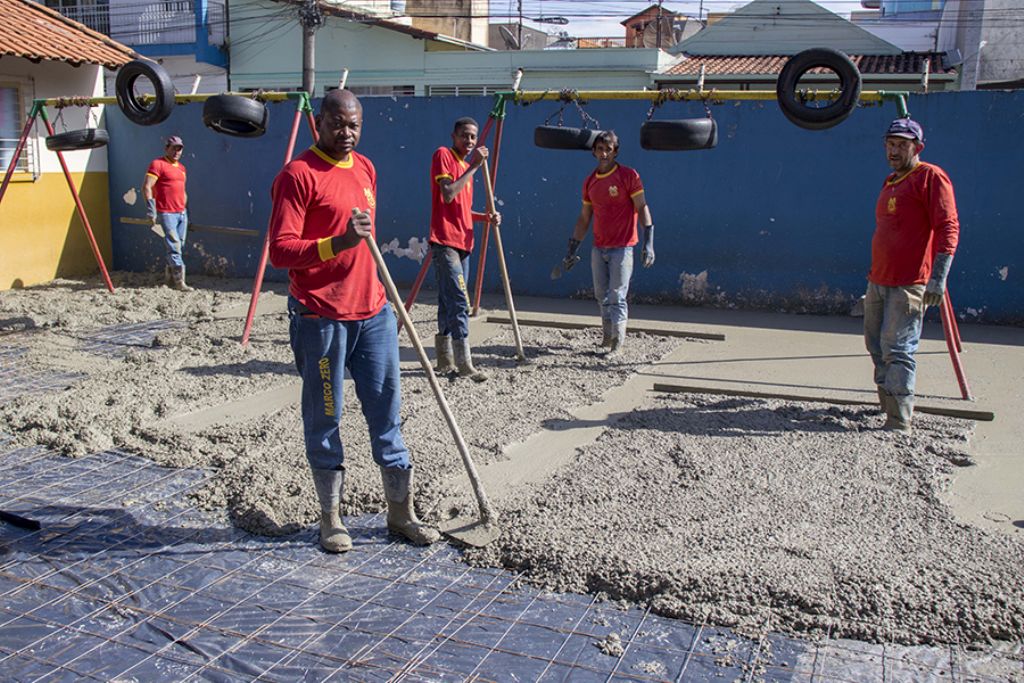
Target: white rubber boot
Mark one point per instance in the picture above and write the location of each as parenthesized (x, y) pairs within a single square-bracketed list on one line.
[(329, 485), (402, 517), (606, 336), (618, 340), (464, 361), (443, 350)]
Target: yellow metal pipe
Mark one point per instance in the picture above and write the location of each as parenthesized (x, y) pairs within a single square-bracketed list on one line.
[(523, 96), (179, 99)]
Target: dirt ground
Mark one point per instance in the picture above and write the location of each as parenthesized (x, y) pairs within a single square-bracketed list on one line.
[(796, 517)]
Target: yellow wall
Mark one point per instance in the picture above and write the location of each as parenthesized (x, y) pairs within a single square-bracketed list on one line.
[(42, 238)]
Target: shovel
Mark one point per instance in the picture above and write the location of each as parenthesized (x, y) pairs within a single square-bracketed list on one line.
[(480, 532), (564, 266), (503, 268)]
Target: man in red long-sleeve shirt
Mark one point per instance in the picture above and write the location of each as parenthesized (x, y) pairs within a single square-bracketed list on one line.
[(916, 235), (324, 204)]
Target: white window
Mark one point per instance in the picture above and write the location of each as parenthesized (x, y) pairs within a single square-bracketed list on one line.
[(15, 102), (463, 90)]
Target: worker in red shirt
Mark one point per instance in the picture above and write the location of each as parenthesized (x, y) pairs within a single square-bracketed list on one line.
[(166, 201), (916, 235), (324, 205), (451, 243), (614, 197)]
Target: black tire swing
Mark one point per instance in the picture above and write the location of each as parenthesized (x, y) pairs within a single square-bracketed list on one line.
[(131, 102), (794, 104), (235, 115), (563, 137), (678, 135), (84, 138)]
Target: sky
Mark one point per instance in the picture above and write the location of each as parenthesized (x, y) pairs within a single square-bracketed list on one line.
[(602, 17)]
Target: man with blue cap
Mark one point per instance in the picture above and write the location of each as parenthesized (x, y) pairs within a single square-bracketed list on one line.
[(916, 234)]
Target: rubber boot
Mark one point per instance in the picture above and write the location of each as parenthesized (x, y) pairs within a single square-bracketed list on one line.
[(902, 413), (443, 349), (883, 399), (329, 485), (178, 273), (606, 330), (402, 517), (464, 360), (618, 340), (168, 276)]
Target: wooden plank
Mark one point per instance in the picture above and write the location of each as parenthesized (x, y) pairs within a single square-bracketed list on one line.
[(567, 325), (964, 413), (226, 229)]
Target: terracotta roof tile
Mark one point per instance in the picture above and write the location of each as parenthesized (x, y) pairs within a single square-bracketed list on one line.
[(770, 65), (36, 32)]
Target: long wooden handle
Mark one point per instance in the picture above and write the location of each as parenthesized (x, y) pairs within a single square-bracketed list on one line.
[(502, 267), (486, 514)]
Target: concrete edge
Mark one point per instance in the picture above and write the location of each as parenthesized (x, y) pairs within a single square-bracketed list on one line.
[(567, 325)]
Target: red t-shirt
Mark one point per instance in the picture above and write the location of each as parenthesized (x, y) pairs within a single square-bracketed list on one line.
[(451, 224), (169, 190), (915, 218), (611, 196), (313, 197)]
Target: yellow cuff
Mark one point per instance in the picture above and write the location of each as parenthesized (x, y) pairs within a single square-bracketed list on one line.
[(323, 247)]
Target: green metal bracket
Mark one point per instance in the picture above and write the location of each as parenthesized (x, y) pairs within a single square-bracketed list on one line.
[(498, 111)]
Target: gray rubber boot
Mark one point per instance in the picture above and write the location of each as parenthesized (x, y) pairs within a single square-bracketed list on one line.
[(464, 360), (443, 350), (902, 414), (178, 273), (168, 276), (618, 340), (883, 398), (606, 330), (402, 517), (329, 485)]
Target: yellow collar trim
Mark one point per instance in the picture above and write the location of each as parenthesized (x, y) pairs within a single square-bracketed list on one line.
[(894, 181), (610, 171), (461, 160), (331, 160)]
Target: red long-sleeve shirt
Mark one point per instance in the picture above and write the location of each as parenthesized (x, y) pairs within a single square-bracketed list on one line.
[(313, 197), (915, 219)]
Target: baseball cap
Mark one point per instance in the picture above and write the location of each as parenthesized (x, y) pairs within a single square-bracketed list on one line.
[(905, 128), (174, 140)]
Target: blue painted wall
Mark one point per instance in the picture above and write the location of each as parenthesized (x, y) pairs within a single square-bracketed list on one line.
[(775, 216)]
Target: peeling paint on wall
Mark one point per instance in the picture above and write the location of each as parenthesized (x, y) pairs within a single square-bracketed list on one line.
[(130, 197), (1003, 272), (416, 250)]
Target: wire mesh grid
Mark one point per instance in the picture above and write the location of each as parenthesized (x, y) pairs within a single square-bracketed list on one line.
[(126, 580)]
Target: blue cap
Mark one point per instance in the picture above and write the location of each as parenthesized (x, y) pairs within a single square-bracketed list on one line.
[(905, 128)]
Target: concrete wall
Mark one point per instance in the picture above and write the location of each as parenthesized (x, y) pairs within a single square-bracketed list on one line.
[(41, 236), (775, 216)]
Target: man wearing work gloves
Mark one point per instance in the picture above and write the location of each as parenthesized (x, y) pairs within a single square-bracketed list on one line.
[(324, 203), (164, 192), (916, 234), (451, 242), (613, 196)]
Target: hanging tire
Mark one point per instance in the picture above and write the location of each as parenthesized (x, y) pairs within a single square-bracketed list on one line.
[(811, 117), (679, 135), (557, 137), (235, 115), (86, 138), (132, 106)]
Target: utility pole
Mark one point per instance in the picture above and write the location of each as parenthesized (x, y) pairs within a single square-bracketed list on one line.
[(519, 36), (311, 18), (657, 40)]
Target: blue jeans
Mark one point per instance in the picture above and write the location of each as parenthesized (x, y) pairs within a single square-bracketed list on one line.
[(451, 268), (175, 227), (612, 267), (892, 331), (368, 349)]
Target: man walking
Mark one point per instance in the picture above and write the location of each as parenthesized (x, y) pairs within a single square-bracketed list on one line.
[(916, 235), (324, 204), (614, 197), (451, 242), (166, 199)]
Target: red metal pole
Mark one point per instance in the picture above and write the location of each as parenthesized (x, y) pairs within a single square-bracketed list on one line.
[(17, 151), (948, 303), (411, 299), (947, 330), (81, 211), (265, 255), (479, 284)]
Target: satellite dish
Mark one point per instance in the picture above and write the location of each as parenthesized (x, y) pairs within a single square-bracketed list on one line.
[(650, 34), (510, 40)]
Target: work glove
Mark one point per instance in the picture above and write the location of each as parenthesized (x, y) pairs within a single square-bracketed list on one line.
[(571, 257), (936, 287), (648, 251), (151, 210)]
